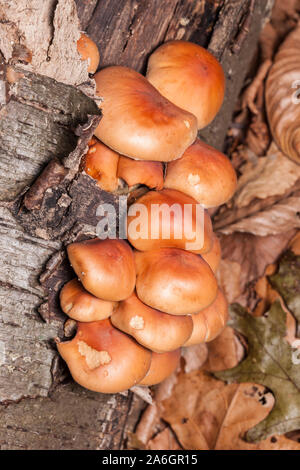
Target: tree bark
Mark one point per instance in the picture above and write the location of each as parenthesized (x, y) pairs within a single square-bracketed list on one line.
[(45, 202)]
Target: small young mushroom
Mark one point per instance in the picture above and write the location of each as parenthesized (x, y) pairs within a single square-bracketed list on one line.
[(169, 218), (153, 329), (88, 51), (103, 359), (203, 173), (105, 267), (162, 365), (80, 305), (174, 281), (101, 163), (134, 172), (209, 323), (213, 256), (189, 76), (138, 121)]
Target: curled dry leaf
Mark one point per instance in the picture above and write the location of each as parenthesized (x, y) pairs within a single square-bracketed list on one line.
[(267, 176), (245, 258), (267, 200)]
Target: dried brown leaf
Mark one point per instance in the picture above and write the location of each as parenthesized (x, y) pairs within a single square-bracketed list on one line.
[(266, 176), (206, 414), (245, 258), (194, 356), (165, 440)]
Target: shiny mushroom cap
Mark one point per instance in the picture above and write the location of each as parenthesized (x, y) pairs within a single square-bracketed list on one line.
[(88, 51), (137, 121), (213, 256), (209, 323), (105, 267), (169, 218), (153, 329), (162, 365), (174, 281), (103, 359), (189, 76), (134, 172), (101, 163), (203, 173), (80, 305)]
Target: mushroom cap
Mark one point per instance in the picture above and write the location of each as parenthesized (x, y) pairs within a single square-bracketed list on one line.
[(152, 223), (105, 267), (174, 281), (88, 51), (162, 365), (80, 305), (203, 173), (209, 323), (103, 359), (213, 256), (137, 121), (101, 163), (134, 172), (153, 329), (189, 76)]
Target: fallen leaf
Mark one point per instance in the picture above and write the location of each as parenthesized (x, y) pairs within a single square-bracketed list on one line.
[(165, 440), (194, 356), (244, 259), (287, 282), (224, 352), (269, 362)]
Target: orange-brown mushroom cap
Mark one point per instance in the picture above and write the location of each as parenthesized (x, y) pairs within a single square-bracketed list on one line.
[(80, 305), (134, 172), (101, 163), (213, 256), (174, 281), (88, 51), (105, 267), (137, 121), (189, 76), (203, 173), (209, 323), (103, 359), (169, 218), (162, 365), (153, 329)]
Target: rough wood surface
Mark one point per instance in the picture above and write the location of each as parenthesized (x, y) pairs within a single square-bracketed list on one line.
[(42, 121)]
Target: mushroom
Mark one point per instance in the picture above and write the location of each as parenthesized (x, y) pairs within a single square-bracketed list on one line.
[(137, 121), (189, 76), (162, 365), (203, 173), (103, 359), (78, 304), (169, 218), (101, 163), (174, 281), (134, 172), (213, 256), (209, 323), (105, 267), (88, 51), (153, 329)]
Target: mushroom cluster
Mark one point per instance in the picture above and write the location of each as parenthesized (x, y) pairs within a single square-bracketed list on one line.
[(138, 301)]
